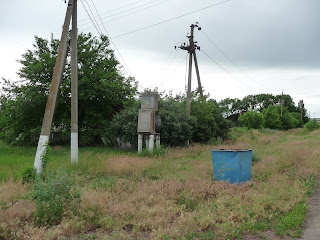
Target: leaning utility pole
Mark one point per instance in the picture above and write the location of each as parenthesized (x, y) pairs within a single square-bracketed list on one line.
[(55, 85), (191, 47)]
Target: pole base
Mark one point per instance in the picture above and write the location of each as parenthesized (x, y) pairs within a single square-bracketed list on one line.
[(74, 148), (41, 151)]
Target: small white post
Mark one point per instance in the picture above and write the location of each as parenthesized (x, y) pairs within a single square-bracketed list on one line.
[(151, 142), (139, 143), (158, 141), (146, 139)]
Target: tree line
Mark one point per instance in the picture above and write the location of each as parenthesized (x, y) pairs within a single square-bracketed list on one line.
[(108, 102), (265, 111)]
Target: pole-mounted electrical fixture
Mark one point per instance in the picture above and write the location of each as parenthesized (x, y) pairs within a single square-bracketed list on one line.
[(191, 48)]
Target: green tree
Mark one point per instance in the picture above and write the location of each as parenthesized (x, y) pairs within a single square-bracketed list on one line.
[(176, 126), (289, 119), (312, 125), (103, 91), (209, 122), (205, 122), (124, 125), (252, 120), (272, 117)]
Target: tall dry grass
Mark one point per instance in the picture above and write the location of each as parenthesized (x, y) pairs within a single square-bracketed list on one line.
[(174, 196)]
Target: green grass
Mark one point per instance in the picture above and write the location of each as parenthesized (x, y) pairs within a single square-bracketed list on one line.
[(171, 193)]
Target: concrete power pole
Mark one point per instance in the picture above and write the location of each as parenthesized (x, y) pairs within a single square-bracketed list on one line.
[(55, 85), (191, 47), (74, 86), (281, 102)]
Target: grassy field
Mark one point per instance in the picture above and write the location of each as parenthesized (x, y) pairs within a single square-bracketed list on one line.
[(120, 195)]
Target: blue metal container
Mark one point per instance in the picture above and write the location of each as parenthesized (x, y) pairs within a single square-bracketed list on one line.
[(233, 165)]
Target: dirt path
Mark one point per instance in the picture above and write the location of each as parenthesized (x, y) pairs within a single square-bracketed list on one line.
[(312, 223)]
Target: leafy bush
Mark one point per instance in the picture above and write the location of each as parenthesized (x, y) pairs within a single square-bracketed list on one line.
[(289, 120), (176, 125), (209, 122), (252, 120), (205, 123), (312, 125), (54, 194), (28, 175), (124, 125), (272, 118)]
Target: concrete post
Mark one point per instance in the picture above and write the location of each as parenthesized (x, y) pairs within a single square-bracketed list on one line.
[(54, 89), (74, 86), (140, 143), (158, 141), (146, 139), (197, 71), (151, 142)]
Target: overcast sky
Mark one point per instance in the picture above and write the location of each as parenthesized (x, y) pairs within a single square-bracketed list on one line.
[(273, 45)]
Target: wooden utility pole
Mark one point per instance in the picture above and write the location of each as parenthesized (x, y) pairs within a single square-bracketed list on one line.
[(191, 47), (55, 83)]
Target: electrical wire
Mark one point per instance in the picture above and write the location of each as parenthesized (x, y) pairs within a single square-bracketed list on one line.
[(94, 19), (114, 10), (175, 69), (174, 57), (219, 49), (171, 19), (85, 8), (111, 39), (130, 12), (163, 66), (226, 70)]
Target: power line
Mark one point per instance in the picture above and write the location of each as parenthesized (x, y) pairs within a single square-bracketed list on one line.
[(110, 38), (85, 8), (225, 70), (94, 19), (232, 62), (115, 9), (220, 50), (163, 66), (177, 66), (171, 19), (165, 69), (130, 12)]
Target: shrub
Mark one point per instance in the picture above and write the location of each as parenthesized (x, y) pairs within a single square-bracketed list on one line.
[(205, 122), (252, 120), (209, 120), (272, 118), (53, 193), (28, 175), (289, 119), (312, 125)]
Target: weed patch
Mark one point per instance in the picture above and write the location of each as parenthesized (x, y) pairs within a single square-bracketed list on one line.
[(53, 194)]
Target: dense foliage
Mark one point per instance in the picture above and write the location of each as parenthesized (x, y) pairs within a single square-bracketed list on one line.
[(271, 118), (103, 91), (257, 103), (252, 120), (312, 125), (206, 121), (264, 110)]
